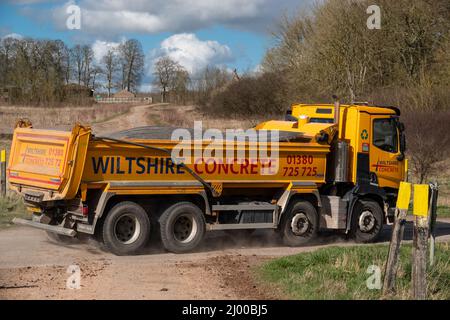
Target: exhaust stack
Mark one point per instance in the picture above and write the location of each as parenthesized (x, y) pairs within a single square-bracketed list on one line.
[(337, 106), (339, 171)]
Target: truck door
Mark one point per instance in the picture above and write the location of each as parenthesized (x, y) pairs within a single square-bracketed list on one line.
[(385, 164)]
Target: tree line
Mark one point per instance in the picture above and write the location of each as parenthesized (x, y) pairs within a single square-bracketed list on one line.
[(48, 72), (329, 50), (38, 71)]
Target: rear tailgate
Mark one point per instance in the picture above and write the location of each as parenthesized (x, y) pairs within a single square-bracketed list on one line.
[(47, 160)]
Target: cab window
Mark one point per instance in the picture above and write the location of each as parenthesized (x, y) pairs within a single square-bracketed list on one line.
[(321, 120), (385, 134)]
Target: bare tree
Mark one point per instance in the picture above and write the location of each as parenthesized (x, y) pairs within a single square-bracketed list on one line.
[(132, 63), (88, 57), (165, 73), (95, 72), (209, 81), (66, 64), (428, 142), (110, 66), (180, 85), (76, 54), (8, 51), (331, 50)]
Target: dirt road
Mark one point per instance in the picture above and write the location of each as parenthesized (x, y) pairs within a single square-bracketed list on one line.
[(33, 267), (138, 116), (163, 114)]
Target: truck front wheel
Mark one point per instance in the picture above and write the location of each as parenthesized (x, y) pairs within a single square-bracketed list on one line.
[(182, 227), (126, 229), (299, 224), (367, 221)]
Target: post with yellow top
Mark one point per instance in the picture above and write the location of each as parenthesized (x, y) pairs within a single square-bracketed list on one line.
[(404, 195), (420, 241), (3, 172)]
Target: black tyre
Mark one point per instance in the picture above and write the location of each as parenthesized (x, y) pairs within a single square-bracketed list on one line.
[(126, 229), (367, 221), (300, 224), (182, 227)]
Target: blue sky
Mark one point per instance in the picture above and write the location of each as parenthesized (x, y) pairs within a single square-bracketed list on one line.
[(232, 33)]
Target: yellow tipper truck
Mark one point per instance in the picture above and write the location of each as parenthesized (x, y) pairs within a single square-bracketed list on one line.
[(331, 170)]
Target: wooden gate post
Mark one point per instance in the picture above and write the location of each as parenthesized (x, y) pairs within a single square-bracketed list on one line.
[(420, 241), (432, 216), (390, 274)]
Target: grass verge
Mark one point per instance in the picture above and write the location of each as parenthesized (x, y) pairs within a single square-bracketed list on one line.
[(341, 273), (443, 212), (10, 207)]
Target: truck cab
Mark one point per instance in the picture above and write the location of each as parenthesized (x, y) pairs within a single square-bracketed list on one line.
[(375, 136), (367, 146)]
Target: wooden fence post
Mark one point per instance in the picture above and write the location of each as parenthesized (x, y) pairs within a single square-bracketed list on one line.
[(420, 241), (3, 172), (390, 274), (432, 215)]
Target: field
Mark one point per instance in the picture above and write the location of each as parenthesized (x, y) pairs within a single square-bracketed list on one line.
[(340, 273), (62, 118)]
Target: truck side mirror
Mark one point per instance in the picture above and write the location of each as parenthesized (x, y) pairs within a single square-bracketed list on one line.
[(401, 129)]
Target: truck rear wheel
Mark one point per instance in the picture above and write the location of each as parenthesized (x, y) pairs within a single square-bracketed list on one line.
[(367, 221), (182, 227), (126, 229), (300, 224)]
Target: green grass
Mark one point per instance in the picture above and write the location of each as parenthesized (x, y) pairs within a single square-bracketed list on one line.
[(340, 273), (10, 207), (443, 212)]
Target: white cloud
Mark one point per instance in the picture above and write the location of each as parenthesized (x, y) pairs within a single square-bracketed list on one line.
[(14, 36), (147, 87), (101, 48), (257, 69), (112, 17), (193, 53), (29, 1)]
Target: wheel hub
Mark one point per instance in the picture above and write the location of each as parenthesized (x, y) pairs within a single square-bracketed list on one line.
[(127, 229), (300, 224), (366, 221), (185, 228)]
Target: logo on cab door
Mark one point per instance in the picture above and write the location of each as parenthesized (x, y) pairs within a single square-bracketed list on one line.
[(386, 166), (364, 134)]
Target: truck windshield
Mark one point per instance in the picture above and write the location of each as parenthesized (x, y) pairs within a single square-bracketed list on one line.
[(321, 120), (385, 134)]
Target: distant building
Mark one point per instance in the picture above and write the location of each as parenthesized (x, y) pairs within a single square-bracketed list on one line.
[(77, 90), (124, 94)]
